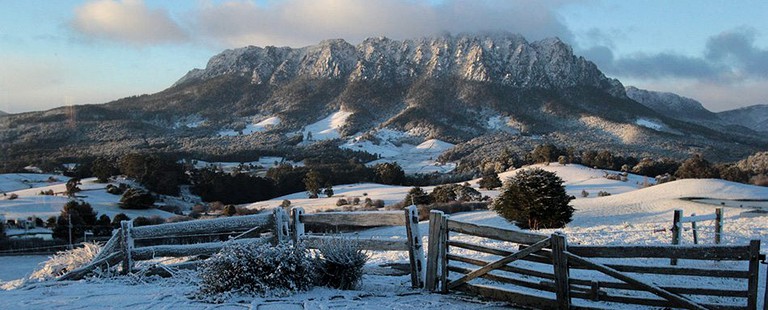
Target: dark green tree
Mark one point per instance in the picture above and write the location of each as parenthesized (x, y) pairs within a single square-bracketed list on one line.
[(443, 193), (312, 183), (103, 168), (119, 218), (103, 226), (545, 153), (732, 173), (490, 180), (82, 216), (135, 198), (534, 198), (72, 187), (696, 167), (328, 191), (389, 173), (417, 196), (158, 174)]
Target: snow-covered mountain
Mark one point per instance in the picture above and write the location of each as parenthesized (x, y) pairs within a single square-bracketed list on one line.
[(671, 104), (754, 117), (466, 90), (507, 59)]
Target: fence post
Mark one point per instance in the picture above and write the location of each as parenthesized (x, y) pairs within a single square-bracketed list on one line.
[(754, 274), (415, 246), (298, 226), (677, 230), (693, 228), (560, 265), (443, 253), (718, 225), (433, 250), (281, 232), (765, 291), (126, 245)]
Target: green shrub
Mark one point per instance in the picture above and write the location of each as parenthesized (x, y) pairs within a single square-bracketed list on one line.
[(135, 198), (534, 198)]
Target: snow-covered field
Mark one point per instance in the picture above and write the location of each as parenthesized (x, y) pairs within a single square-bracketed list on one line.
[(31, 204), (630, 215)]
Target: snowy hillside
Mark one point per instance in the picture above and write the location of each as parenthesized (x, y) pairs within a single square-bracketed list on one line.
[(632, 214), (327, 128), (30, 203), (403, 148), (253, 127)]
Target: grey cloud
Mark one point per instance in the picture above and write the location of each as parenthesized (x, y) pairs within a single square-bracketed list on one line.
[(729, 57), (737, 49), (665, 65)]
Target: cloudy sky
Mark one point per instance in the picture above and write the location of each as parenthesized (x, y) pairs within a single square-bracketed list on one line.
[(55, 53)]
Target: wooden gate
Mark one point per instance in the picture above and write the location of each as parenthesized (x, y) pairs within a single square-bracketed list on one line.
[(545, 272)]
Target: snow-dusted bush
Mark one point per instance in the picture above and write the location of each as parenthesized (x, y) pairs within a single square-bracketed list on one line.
[(257, 269), (65, 261), (534, 198), (341, 263)]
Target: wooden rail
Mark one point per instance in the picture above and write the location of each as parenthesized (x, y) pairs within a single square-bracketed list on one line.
[(122, 248), (409, 218), (607, 277)]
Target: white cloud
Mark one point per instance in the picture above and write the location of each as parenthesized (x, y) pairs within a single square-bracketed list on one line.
[(128, 21), (305, 22)]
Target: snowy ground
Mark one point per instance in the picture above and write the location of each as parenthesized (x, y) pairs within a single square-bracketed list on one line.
[(31, 204), (631, 215)]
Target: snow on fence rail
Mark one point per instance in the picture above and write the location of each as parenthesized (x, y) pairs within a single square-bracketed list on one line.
[(548, 273), (125, 245), (677, 227), (409, 218), (121, 248)]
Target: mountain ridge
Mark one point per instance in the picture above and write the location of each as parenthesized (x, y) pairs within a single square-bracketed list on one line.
[(464, 89)]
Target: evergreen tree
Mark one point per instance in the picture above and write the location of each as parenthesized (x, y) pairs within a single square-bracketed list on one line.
[(389, 173), (417, 196), (312, 183), (696, 167), (490, 180), (328, 191), (119, 218), (135, 198), (443, 193), (103, 168), (82, 218), (534, 198), (71, 187), (103, 226)]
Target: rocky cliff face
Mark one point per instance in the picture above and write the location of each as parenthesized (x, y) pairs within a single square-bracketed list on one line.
[(505, 59), (263, 100)]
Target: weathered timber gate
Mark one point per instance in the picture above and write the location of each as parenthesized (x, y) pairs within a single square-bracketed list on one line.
[(409, 218), (545, 272)]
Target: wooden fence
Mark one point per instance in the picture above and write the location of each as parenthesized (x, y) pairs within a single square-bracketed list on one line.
[(677, 226), (130, 244), (125, 245), (548, 273), (409, 218)]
